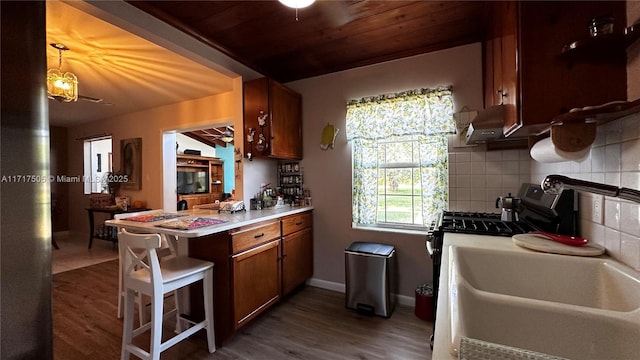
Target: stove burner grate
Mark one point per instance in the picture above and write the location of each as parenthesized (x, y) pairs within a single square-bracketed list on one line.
[(482, 223)]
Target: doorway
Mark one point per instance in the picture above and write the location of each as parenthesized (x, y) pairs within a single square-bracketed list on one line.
[(210, 141)]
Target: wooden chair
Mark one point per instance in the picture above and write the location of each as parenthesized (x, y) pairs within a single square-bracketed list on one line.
[(143, 274)]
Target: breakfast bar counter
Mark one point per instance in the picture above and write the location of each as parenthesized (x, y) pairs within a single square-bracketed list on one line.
[(259, 256), (225, 221)]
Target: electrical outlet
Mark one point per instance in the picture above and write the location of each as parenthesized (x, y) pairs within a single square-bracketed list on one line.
[(597, 208)]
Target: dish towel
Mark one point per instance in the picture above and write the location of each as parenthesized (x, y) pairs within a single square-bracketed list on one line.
[(472, 349)]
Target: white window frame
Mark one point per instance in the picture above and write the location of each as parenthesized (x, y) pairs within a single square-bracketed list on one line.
[(91, 177), (413, 166)]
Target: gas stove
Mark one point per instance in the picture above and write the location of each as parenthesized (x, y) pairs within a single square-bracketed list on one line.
[(481, 223)]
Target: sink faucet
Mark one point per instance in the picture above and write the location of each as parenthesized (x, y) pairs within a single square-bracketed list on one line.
[(554, 184)]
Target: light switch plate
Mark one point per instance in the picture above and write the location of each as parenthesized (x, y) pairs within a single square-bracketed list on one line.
[(598, 201)]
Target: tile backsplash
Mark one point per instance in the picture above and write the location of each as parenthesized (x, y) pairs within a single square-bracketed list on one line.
[(477, 177), (614, 160)]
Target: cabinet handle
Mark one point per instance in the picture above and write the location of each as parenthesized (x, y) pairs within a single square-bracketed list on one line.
[(258, 236), (299, 223)]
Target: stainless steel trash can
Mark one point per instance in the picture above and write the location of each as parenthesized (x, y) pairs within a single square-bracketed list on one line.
[(370, 271)]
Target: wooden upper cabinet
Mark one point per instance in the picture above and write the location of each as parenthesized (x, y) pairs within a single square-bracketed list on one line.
[(281, 135), (526, 70), (508, 92)]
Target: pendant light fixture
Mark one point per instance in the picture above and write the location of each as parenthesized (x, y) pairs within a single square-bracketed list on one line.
[(297, 4), (61, 86)]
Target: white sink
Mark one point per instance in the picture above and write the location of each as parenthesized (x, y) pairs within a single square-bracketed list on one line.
[(598, 283), (572, 307)]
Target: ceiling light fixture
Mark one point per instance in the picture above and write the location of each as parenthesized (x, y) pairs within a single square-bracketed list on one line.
[(227, 136), (297, 4), (61, 86)]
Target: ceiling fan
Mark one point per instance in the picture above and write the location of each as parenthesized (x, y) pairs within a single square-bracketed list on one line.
[(93, 100), (63, 87)]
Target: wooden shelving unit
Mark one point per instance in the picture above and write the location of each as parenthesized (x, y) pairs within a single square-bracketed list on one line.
[(214, 166), (600, 114), (290, 180), (603, 45)]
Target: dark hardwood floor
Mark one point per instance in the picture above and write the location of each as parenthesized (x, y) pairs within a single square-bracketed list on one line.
[(311, 324)]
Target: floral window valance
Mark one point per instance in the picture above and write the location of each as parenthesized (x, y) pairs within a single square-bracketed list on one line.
[(416, 112)]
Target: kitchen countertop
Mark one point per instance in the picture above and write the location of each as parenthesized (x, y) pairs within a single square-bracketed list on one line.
[(231, 220)]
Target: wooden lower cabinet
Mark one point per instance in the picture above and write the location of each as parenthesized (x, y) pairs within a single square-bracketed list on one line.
[(297, 259), (196, 199), (255, 266), (256, 281)]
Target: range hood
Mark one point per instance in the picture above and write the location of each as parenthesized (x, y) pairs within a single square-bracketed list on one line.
[(487, 125)]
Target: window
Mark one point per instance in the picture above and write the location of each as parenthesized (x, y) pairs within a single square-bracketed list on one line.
[(399, 145), (97, 163)]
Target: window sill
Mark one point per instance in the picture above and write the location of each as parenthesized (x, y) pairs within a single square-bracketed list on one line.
[(390, 229)]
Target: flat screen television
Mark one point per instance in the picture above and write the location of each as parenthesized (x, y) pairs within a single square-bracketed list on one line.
[(193, 182)]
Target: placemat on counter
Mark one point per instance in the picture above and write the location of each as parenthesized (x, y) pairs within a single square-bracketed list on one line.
[(153, 217), (190, 224)]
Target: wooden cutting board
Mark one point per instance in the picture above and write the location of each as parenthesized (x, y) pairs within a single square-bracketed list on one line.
[(542, 243)]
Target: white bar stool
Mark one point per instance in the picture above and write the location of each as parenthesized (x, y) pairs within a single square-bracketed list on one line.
[(142, 273), (168, 250)]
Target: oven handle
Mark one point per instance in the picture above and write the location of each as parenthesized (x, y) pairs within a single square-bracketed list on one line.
[(430, 248)]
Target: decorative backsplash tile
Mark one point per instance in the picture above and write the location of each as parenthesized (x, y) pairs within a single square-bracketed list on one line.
[(477, 177), (613, 160)]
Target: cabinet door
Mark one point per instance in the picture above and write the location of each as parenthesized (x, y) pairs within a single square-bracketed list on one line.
[(492, 62), (509, 94), (189, 199), (256, 101), (256, 281), (286, 122), (204, 199), (551, 84), (297, 259)]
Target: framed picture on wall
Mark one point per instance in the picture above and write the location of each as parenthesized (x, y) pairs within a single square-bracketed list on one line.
[(131, 162)]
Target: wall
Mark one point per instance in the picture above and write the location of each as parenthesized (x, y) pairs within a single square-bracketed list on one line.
[(185, 142), (227, 155), (328, 173), (58, 166), (148, 125), (258, 172)]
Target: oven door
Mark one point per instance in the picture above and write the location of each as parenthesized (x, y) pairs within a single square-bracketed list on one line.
[(434, 247)]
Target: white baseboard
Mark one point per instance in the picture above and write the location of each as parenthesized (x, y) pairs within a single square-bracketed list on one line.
[(338, 287)]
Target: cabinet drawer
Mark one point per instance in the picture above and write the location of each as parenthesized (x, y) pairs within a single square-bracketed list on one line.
[(293, 223), (247, 237)]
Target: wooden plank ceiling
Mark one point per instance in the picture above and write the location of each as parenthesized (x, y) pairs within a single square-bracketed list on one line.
[(211, 137), (328, 36)]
